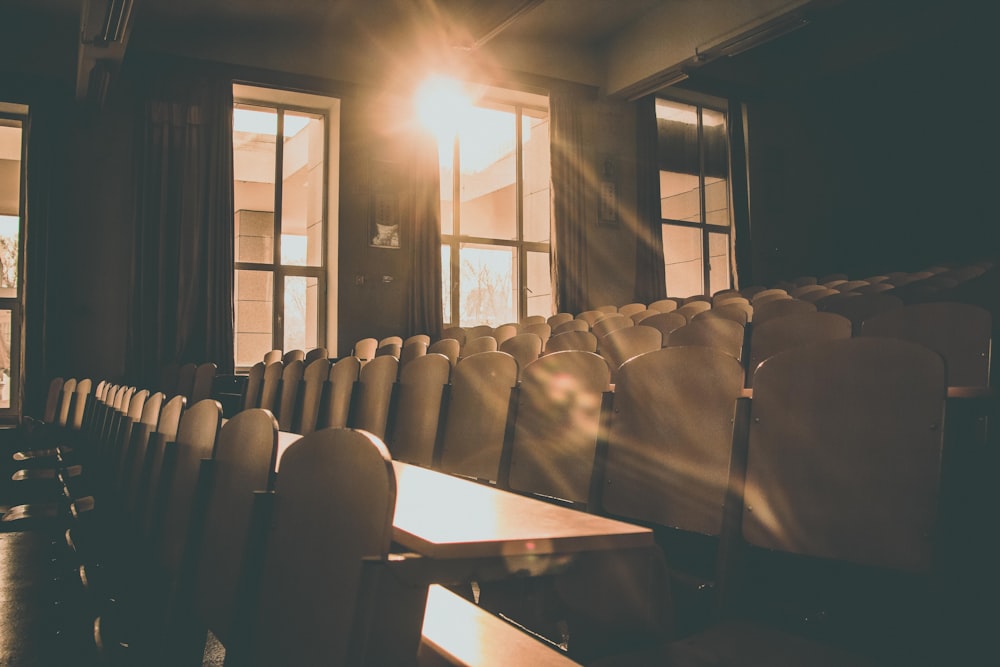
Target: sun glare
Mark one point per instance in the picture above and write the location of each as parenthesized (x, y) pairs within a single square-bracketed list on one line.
[(442, 106)]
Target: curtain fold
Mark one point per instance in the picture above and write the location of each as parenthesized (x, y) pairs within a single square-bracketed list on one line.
[(650, 279), (424, 308), (182, 294), (742, 250), (569, 202)]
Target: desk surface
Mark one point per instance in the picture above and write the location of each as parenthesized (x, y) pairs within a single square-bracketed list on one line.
[(441, 516)]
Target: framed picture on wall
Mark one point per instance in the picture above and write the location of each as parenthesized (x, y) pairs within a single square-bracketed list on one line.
[(386, 198)]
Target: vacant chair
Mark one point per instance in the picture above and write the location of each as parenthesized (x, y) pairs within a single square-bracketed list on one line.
[(293, 355), (768, 294), (412, 349), (664, 305), (391, 340), (480, 344), (784, 333), (288, 401), (416, 421), (570, 325), (666, 323), (271, 386), (524, 347), (806, 289), (959, 332), (630, 309), (204, 379), (741, 313), (371, 403), (422, 338), (476, 419), (720, 334), (272, 356), (751, 290), (558, 318), (621, 345), (692, 308), (449, 347), (389, 350), (333, 508), (852, 285), (842, 498), (314, 379), (254, 384), (365, 349), (769, 310), (612, 322), (643, 314), (456, 333), (533, 319), (723, 298), (554, 445), (335, 408), (572, 340), (814, 296), (472, 333), (505, 331), (862, 307), (591, 316), (542, 330), (314, 354)]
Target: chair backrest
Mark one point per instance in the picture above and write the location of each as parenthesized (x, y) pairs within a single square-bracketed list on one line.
[(621, 345), (553, 451), (291, 388), (422, 338), (542, 330), (336, 409), (255, 382), (768, 295), (770, 310), (844, 453), (411, 350), (570, 325), (196, 436), (293, 355), (204, 379), (79, 403), (666, 323), (471, 333), (454, 333), (718, 333), (558, 318), (476, 418), (449, 347), (479, 344), (670, 437), (630, 309), (52, 399), (692, 308), (612, 322), (272, 356), (959, 332), (591, 316), (784, 333), (389, 350), (243, 463), (524, 347), (664, 305), (806, 289), (314, 354), (533, 319), (365, 349), (505, 332), (731, 297), (314, 379), (572, 340), (862, 307), (814, 296), (138, 462), (391, 340), (334, 504), (66, 401), (741, 313), (607, 308), (416, 421), (370, 405), (271, 386)]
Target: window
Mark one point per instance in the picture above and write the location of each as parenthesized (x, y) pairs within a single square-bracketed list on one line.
[(280, 170), (693, 156), (12, 148), (495, 214)]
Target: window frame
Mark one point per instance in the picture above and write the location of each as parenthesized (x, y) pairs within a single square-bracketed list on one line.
[(718, 106), (455, 240), (276, 268)]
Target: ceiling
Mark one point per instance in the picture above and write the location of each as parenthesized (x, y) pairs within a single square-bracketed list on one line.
[(627, 42)]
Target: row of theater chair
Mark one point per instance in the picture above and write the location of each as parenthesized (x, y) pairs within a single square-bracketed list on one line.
[(187, 539), (832, 469)]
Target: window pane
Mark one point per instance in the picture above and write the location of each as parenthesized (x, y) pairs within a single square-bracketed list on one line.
[(10, 205), (302, 189), (679, 161), (487, 159), (536, 205), (446, 283), (254, 297), (679, 197), (716, 167), (487, 285), (683, 260), (301, 312), (5, 378), (718, 262), (254, 132), (539, 284)]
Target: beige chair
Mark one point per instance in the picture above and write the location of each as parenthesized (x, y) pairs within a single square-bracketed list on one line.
[(271, 386), (611, 322), (204, 379), (412, 349), (621, 345), (335, 409), (472, 333), (533, 319), (524, 347), (591, 316), (449, 347), (365, 349), (505, 331), (314, 379), (558, 318), (769, 310), (572, 340), (717, 333), (692, 308), (288, 402), (480, 344), (664, 305), (423, 338), (314, 354), (570, 325), (741, 313), (861, 308), (254, 384), (665, 323), (456, 333), (630, 309), (272, 356), (791, 331), (416, 421), (543, 331), (293, 355), (371, 403)]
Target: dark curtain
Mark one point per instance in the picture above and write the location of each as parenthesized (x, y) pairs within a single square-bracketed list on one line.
[(424, 308), (569, 202), (47, 137), (742, 250), (181, 308), (650, 280)]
